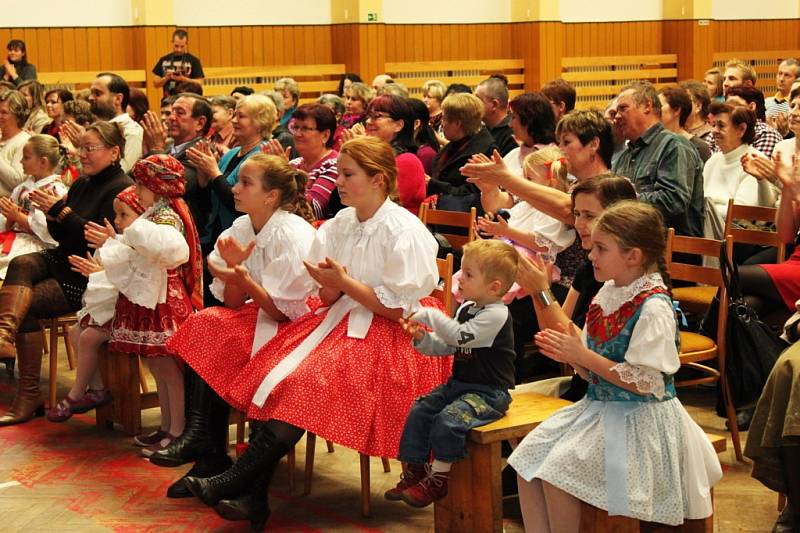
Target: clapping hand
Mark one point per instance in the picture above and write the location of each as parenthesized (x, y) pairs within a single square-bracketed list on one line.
[(413, 328), (72, 131), (789, 176), (202, 158), (563, 344), (10, 210), (328, 273), (235, 275), (84, 265), (43, 200), (779, 121), (154, 134), (274, 147), (232, 252), (96, 235), (758, 166), (492, 225), (532, 275), (491, 171)]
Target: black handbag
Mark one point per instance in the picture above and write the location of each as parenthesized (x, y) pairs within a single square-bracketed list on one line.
[(752, 347)]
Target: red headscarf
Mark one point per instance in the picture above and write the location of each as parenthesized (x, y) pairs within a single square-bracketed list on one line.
[(163, 174), (129, 197)]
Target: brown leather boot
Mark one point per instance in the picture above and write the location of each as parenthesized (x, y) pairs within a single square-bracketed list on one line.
[(27, 402), (15, 300)]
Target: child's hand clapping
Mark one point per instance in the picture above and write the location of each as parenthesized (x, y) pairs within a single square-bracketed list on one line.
[(232, 252), (84, 265), (415, 329), (562, 345), (328, 273), (96, 235), (492, 225)]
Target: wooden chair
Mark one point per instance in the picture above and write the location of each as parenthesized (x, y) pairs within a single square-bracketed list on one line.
[(697, 349), (124, 376), (59, 328), (438, 217), (445, 291)]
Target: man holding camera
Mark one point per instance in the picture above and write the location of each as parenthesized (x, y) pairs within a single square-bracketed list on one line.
[(178, 66)]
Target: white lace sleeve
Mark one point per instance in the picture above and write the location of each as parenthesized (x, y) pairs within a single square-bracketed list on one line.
[(646, 380)]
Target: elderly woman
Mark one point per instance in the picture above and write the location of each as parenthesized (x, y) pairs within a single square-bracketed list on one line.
[(253, 122), (13, 114), (33, 91), (16, 69), (433, 93), (533, 124), (43, 285), (221, 132), (676, 106), (723, 175), (291, 97), (391, 119), (54, 101), (697, 122), (461, 122)]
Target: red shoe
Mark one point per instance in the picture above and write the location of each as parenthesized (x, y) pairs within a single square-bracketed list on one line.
[(64, 410), (148, 439), (433, 487), (412, 474)]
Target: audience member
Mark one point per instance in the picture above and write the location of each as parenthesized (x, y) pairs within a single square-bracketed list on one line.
[(43, 285), (461, 124), (424, 135), (394, 89), (562, 97), (712, 79), (346, 81), (380, 80), (494, 95), (738, 73), (664, 167), (190, 86), (676, 106), (766, 137), (336, 104), (54, 101), (357, 97), (177, 66), (221, 133), (291, 96), (697, 123), (534, 126), (240, 92), (79, 112), (13, 114), (137, 105), (455, 88), (610, 115), (281, 133), (33, 91), (433, 92), (166, 108), (777, 107), (17, 69), (391, 119)]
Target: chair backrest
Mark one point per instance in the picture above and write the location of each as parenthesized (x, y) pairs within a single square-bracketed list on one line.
[(459, 219), (761, 237), (701, 274), (444, 292)]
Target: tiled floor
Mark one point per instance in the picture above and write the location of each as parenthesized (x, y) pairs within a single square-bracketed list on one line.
[(74, 477)]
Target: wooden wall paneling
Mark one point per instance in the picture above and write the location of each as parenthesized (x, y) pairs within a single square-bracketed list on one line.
[(246, 51), (258, 45), (214, 52)]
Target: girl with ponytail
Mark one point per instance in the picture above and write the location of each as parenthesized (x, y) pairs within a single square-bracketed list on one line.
[(258, 271), (23, 227), (630, 415)]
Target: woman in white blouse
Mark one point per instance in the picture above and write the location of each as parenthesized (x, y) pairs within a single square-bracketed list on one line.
[(347, 373), (13, 114), (258, 272), (23, 227), (723, 175)]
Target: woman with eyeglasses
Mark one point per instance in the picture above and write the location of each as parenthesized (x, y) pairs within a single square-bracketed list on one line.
[(313, 127), (43, 285), (54, 101)]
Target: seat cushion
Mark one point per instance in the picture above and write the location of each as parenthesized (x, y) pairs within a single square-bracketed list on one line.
[(694, 299), (692, 342)]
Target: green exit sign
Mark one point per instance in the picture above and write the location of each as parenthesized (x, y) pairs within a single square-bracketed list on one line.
[(372, 17)]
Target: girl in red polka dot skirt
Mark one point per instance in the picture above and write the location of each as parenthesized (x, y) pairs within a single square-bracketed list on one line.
[(348, 371), (156, 264), (258, 271)]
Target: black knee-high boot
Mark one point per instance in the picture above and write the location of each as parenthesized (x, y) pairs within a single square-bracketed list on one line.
[(196, 440), (254, 506), (261, 456)]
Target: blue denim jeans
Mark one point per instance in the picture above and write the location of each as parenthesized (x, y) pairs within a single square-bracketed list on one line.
[(439, 421)]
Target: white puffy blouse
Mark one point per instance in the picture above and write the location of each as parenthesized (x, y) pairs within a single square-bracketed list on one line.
[(36, 217)]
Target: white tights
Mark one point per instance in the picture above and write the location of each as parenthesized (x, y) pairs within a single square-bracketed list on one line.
[(86, 342), (547, 509)]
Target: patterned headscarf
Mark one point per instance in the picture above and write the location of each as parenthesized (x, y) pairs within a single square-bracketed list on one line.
[(129, 197), (163, 174)]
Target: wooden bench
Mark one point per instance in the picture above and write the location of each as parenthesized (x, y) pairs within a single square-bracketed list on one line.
[(475, 502), (599, 79), (314, 80), (82, 79), (764, 62), (469, 72), (121, 376)]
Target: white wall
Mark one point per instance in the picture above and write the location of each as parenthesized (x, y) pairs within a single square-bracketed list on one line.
[(606, 11), (251, 12), (58, 13), (749, 9), (446, 11)]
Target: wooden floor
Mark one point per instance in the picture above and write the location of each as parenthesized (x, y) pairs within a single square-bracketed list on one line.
[(74, 477)]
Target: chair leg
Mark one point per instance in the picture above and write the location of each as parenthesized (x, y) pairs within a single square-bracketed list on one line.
[(311, 443), (386, 466), (730, 411), (330, 446), (290, 463), (365, 496), (142, 378), (241, 420), (53, 361), (45, 344), (68, 346)]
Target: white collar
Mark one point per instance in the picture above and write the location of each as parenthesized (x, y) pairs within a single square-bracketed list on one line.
[(264, 235), (610, 297)]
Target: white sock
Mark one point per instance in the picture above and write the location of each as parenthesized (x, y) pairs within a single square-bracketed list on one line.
[(440, 466)]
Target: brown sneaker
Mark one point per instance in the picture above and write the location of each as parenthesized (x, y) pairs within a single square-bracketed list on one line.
[(433, 487), (412, 474)]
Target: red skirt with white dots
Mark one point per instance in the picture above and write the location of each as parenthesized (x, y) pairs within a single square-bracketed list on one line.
[(355, 392)]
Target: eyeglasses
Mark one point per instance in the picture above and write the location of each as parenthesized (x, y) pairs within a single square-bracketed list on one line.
[(301, 129), (89, 148), (377, 115)]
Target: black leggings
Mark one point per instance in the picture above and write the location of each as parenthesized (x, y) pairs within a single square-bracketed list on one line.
[(758, 290), (279, 432), (49, 301)]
